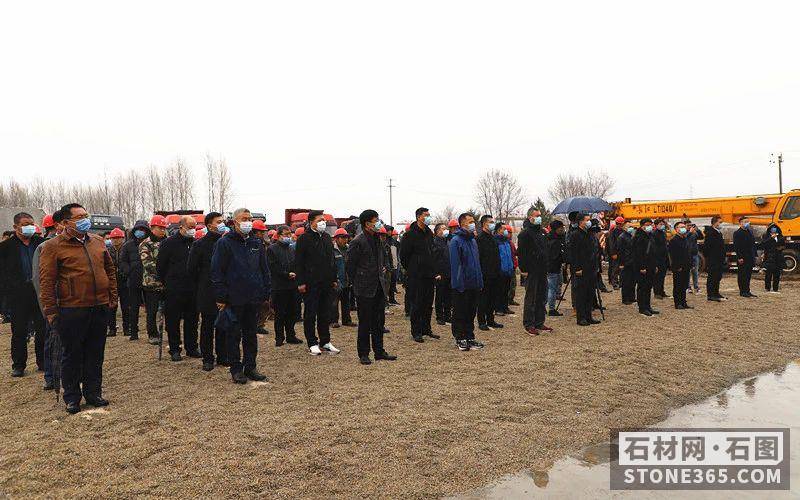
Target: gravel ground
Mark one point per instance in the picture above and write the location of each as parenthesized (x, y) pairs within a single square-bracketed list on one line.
[(435, 422)]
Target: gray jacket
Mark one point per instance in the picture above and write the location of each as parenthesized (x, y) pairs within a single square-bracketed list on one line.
[(365, 265)]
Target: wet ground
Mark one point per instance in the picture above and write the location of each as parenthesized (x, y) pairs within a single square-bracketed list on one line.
[(769, 400)]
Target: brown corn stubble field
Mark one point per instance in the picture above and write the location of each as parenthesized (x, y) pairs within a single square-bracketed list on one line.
[(435, 422)]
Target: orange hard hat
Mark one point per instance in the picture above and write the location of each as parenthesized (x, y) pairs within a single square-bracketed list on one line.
[(258, 225), (620, 220), (341, 232), (116, 233), (382, 230), (158, 220), (452, 223), (299, 231), (48, 221), (510, 228)]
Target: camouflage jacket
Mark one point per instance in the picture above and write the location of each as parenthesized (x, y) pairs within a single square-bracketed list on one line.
[(148, 251)]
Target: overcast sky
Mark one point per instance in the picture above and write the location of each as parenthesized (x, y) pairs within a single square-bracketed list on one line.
[(319, 103)]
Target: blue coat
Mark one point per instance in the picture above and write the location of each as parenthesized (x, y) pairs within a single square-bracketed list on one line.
[(506, 260), (239, 270), (465, 264)]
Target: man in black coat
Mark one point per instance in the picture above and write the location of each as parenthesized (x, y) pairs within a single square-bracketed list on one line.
[(744, 243), (199, 268), (627, 269), (681, 261), (612, 247), (179, 296), (130, 271), (645, 266), (317, 282), (714, 252), (773, 243), (418, 259), (533, 263), (367, 268), (661, 255), (555, 265), (583, 259), (280, 258), (443, 303), (489, 254), (16, 275)]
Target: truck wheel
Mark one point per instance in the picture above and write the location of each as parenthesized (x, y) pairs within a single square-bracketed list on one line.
[(791, 260)]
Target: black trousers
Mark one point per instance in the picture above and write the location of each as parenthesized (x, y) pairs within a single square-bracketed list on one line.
[(501, 299), (83, 339), (316, 314), (211, 339), (135, 301), (243, 334), (772, 278), (24, 308), (153, 302), (584, 290), (371, 313), (407, 299), (342, 300), (614, 272), (658, 281), (644, 289), (465, 307), (179, 306), (712, 282), (444, 301), (285, 304), (680, 282), (533, 312), (392, 285), (487, 300), (123, 306), (628, 281), (744, 274), (421, 305)]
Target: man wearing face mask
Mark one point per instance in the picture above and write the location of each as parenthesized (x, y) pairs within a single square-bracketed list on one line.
[(466, 281), (645, 266), (152, 287), (623, 246), (131, 271), (114, 244), (533, 263), (280, 258), (179, 292), (199, 268), (418, 259), (443, 304), (744, 243), (490, 267), (555, 264), (16, 275), (78, 286), (692, 238), (583, 260), (714, 252), (661, 254), (342, 296), (681, 262), (773, 244), (241, 279), (316, 282)]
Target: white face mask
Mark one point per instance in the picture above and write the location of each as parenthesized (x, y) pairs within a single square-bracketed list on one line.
[(245, 226), (320, 226), (190, 233), (445, 233)]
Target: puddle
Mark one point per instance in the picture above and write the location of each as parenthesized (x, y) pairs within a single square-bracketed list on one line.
[(769, 400)]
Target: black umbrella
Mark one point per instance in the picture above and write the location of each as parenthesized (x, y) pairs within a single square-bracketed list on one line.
[(583, 204)]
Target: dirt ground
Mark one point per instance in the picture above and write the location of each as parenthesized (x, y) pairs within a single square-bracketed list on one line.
[(435, 422)]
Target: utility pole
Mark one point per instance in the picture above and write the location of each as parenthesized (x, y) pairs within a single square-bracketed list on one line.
[(391, 214), (780, 170)]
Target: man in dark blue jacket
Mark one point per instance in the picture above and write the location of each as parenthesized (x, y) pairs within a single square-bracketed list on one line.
[(744, 243), (130, 268), (466, 280), (280, 257), (489, 254), (680, 259), (443, 302), (241, 281), (417, 257), (645, 265)]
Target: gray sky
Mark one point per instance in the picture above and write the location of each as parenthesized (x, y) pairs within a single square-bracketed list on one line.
[(319, 103)]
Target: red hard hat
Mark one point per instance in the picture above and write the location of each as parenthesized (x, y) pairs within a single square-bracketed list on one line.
[(382, 230), (452, 223), (47, 221), (158, 220), (271, 232), (258, 225), (299, 231), (620, 220), (510, 228), (116, 233), (394, 232), (341, 232)]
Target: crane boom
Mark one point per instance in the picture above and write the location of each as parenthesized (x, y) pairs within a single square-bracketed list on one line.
[(759, 207)]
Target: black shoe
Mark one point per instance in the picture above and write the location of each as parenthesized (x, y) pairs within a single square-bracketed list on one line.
[(350, 324), (364, 360), (96, 401), (583, 322), (385, 356), (73, 408), (474, 344), (293, 340), (654, 311), (111, 333), (385, 330), (513, 303), (646, 313), (262, 331), (751, 296), (463, 345), (687, 306), (17, 372), (715, 299), (441, 322), (594, 321), (48, 385), (224, 363), (628, 302), (278, 343), (484, 328), (134, 336), (255, 375), (680, 307), (153, 340), (194, 354), (500, 313), (239, 378), (208, 366), (495, 325), (176, 356), (553, 312), (433, 335), (419, 339)]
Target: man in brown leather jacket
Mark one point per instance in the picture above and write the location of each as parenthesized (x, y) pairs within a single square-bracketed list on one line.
[(78, 285)]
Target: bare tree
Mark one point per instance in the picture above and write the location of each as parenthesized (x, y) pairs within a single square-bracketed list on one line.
[(499, 193), (446, 214), (224, 185), (592, 183), (211, 182)]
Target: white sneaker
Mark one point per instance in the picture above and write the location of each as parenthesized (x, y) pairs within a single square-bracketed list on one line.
[(330, 348), (315, 351), (773, 291)]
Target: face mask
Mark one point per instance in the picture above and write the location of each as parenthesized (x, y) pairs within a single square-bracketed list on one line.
[(28, 230), (491, 226), (286, 240), (631, 230), (190, 233), (746, 225), (472, 227), (428, 220), (660, 228), (83, 225), (445, 233), (293, 244), (378, 225), (537, 221), (505, 233), (774, 230), (139, 234), (648, 229), (682, 230), (321, 225), (222, 228), (108, 243), (573, 225), (245, 226)]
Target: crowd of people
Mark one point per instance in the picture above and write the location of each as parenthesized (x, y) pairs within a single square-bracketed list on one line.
[(213, 287)]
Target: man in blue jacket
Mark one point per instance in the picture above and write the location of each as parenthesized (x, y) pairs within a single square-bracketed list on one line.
[(241, 280), (466, 281)]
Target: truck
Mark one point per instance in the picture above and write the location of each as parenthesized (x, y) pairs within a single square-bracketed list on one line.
[(174, 218), (782, 210), (104, 223), (297, 217)]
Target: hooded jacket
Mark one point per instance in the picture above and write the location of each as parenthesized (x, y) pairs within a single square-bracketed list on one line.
[(465, 264), (506, 259), (199, 267), (773, 249), (489, 255), (416, 252), (280, 258), (532, 249), (239, 270)]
